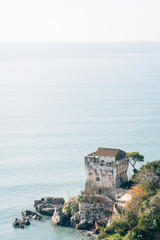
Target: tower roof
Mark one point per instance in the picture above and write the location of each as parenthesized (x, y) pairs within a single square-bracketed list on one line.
[(105, 152)]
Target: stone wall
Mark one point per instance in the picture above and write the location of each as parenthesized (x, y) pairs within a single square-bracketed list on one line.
[(102, 176)]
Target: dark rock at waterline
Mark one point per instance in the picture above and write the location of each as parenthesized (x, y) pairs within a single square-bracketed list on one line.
[(19, 223), (46, 210), (48, 205), (81, 221), (31, 214), (87, 234), (27, 214), (85, 224)]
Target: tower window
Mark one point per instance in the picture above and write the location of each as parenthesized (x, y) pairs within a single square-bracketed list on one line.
[(102, 162), (97, 178), (100, 191)]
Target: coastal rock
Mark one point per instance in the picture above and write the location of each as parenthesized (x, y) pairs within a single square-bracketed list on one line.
[(48, 205), (81, 221), (24, 220), (89, 214), (87, 234), (85, 224), (31, 214), (19, 223), (46, 210), (60, 218)]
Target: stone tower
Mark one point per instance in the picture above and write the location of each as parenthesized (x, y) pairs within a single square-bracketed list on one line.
[(106, 169)]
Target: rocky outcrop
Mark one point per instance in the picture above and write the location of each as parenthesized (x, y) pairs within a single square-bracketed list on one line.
[(27, 215), (89, 214), (60, 218), (85, 218), (79, 215), (48, 205)]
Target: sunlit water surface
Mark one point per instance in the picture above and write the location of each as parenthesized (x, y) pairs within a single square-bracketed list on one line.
[(59, 102)]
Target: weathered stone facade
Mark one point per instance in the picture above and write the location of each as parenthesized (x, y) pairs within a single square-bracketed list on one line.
[(106, 169)]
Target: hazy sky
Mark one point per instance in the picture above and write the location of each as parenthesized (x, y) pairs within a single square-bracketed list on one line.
[(79, 20)]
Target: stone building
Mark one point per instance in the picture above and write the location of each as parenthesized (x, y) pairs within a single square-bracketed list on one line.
[(106, 170)]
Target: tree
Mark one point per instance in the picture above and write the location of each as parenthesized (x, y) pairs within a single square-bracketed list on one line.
[(138, 196), (134, 157), (149, 177)]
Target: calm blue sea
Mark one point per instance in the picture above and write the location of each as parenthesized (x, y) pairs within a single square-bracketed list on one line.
[(59, 102)]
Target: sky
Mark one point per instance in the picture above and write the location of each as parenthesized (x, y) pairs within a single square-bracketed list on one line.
[(79, 20)]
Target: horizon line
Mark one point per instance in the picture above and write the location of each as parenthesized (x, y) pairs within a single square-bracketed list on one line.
[(114, 41)]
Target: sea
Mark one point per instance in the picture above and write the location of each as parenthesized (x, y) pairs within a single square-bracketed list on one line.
[(60, 102)]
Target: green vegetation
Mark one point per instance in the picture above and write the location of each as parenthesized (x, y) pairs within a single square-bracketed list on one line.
[(134, 157), (149, 177), (71, 207), (140, 219), (86, 197)]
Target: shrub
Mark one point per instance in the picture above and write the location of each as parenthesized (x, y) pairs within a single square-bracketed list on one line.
[(102, 235), (140, 219), (71, 207), (86, 197), (119, 225)]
